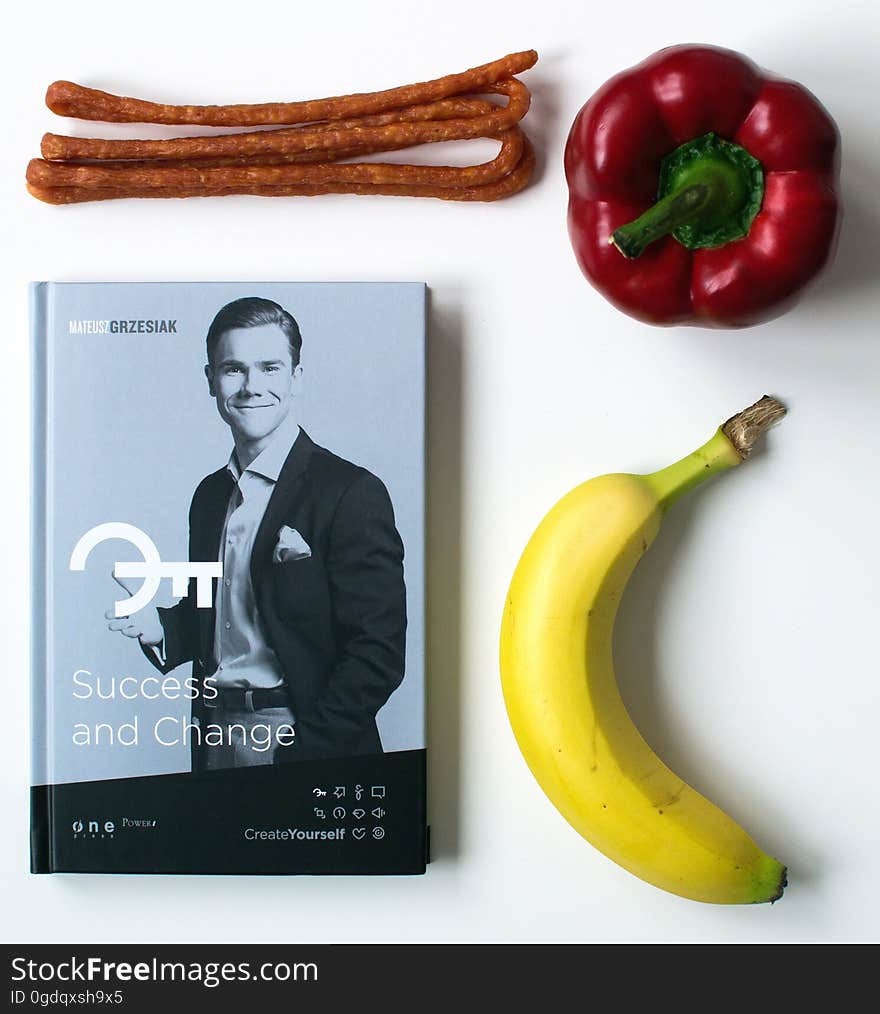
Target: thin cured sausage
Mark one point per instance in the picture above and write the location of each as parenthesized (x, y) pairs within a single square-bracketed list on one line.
[(324, 154), (69, 99)]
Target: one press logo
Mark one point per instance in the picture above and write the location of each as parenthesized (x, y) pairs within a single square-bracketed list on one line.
[(92, 828), (150, 567)]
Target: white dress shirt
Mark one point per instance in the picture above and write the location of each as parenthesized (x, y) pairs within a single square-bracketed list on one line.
[(244, 659)]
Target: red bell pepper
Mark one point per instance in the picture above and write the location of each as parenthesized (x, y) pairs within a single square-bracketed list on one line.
[(702, 190)]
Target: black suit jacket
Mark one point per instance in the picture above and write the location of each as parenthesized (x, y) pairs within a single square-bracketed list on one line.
[(335, 620)]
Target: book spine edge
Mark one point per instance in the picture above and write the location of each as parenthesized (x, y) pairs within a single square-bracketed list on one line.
[(41, 800)]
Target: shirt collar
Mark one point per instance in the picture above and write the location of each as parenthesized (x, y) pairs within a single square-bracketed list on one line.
[(270, 460)]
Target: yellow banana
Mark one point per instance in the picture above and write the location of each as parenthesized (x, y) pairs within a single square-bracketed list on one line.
[(562, 697)]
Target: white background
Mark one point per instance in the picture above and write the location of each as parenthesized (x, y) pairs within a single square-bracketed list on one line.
[(747, 642)]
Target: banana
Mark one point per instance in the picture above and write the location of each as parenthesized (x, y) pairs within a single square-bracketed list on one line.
[(561, 693)]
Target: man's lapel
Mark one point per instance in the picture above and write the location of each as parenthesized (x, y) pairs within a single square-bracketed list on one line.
[(288, 479), (207, 528), (206, 531)]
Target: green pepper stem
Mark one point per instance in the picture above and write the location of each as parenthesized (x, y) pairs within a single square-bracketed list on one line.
[(661, 218), (709, 191)]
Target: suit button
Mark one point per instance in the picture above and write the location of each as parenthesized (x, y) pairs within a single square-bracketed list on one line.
[(228, 625), (228, 582)]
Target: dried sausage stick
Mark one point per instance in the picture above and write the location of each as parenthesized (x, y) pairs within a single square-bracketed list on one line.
[(69, 99), (126, 176), (444, 109), (287, 141), (507, 185)]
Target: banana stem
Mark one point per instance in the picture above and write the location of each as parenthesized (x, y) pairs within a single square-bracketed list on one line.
[(729, 446), (671, 483)]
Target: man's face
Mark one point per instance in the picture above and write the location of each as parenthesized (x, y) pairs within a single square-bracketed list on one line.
[(252, 378)]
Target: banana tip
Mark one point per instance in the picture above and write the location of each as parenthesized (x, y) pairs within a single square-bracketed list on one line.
[(783, 883)]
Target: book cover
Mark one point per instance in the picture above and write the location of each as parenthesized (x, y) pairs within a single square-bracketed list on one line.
[(228, 578)]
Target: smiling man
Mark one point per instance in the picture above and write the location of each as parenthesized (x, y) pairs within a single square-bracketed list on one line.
[(305, 640), (253, 372)]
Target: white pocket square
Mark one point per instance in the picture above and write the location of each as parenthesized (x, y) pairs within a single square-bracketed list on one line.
[(290, 546)]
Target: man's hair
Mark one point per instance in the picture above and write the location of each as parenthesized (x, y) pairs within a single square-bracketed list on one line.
[(252, 311)]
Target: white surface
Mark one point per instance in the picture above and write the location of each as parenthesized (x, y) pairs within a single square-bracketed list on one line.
[(748, 637)]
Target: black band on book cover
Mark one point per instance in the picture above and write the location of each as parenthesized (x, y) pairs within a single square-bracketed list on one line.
[(352, 815), (41, 804)]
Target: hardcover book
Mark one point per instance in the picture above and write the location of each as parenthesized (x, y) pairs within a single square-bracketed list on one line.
[(228, 578)]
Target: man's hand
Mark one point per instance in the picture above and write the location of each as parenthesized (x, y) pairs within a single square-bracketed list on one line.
[(145, 626)]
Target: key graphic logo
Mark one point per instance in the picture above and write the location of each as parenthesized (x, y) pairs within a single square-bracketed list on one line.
[(152, 568)]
